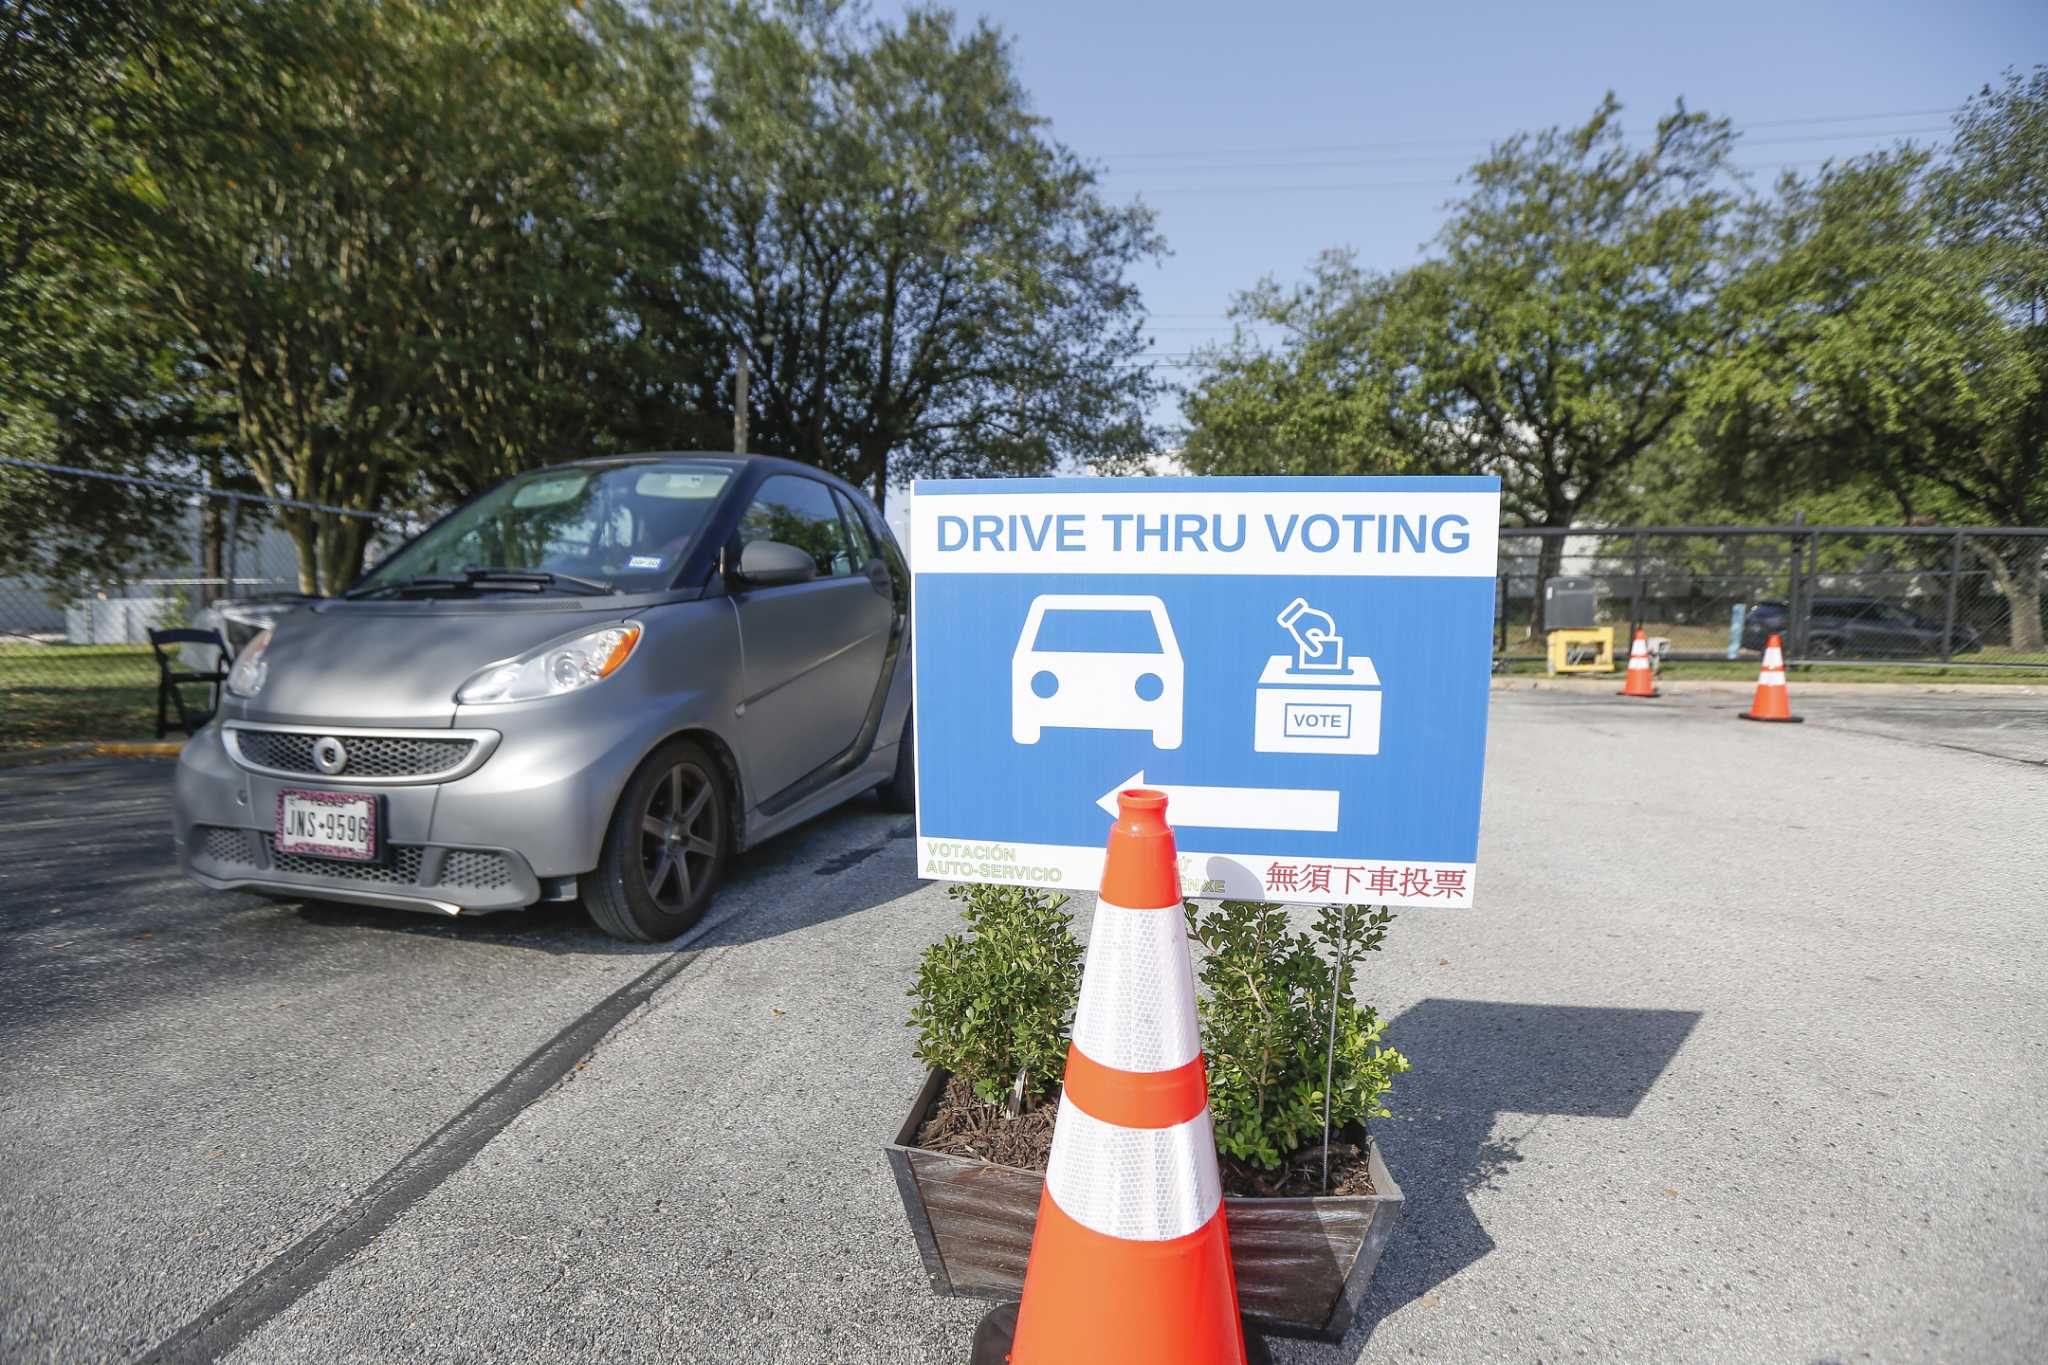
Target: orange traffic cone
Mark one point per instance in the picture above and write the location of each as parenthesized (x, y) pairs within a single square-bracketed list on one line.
[(1131, 1260), (1641, 681), (1773, 699)]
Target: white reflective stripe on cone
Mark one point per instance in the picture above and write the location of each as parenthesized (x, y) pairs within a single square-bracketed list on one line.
[(1771, 680), (1137, 1005), (1139, 1184), (1773, 659)]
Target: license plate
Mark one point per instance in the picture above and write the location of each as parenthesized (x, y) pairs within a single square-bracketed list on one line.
[(327, 824)]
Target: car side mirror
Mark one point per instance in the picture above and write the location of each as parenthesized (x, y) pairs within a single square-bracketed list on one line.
[(771, 564)]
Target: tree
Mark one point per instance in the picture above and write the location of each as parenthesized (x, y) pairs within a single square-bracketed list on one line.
[(524, 352), (377, 255), (1554, 340), (1894, 338), (1331, 400), (1991, 208), (88, 376), (923, 281)]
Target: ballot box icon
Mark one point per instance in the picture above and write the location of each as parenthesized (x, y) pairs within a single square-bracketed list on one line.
[(1317, 702), (1309, 711)]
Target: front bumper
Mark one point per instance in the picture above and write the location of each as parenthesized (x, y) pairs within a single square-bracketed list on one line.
[(449, 881), (515, 822), (497, 838)]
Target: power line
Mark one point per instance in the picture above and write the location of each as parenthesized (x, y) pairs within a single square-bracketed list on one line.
[(1469, 140), (1438, 160), (1244, 190)]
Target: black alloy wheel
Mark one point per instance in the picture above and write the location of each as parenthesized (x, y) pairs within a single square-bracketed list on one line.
[(667, 847), (679, 837)]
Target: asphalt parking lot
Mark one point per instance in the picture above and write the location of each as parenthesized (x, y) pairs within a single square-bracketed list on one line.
[(1740, 1058)]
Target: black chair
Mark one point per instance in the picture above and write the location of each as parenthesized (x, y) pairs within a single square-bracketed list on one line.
[(164, 644)]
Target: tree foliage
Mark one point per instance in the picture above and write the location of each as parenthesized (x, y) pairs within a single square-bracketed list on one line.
[(87, 376), (923, 281), (1625, 333), (1552, 340), (381, 253), (1893, 340)]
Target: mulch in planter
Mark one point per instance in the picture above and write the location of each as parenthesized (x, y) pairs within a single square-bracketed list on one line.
[(963, 1126)]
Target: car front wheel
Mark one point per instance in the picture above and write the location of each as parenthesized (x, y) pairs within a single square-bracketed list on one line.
[(666, 849)]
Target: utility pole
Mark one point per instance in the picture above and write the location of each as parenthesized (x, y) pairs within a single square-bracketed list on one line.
[(739, 407)]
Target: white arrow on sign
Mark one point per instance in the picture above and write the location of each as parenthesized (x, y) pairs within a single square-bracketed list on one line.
[(1238, 807)]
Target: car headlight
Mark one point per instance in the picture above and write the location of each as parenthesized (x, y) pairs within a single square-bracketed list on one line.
[(552, 669), (245, 679)]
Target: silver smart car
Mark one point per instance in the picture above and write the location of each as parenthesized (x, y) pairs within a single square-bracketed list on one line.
[(599, 680)]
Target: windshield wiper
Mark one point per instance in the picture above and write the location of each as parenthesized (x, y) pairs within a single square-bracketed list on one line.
[(538, 578), (422, 583), (476, 577)]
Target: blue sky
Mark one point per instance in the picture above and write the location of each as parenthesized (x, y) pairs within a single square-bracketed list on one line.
[(1261, 133)]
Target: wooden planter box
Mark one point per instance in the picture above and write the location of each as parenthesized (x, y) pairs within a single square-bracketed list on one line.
[(1302, 1264)]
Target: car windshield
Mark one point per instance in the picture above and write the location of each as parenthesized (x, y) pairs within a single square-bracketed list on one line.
[(625, 527)]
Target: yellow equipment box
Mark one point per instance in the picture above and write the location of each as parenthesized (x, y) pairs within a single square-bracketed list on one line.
[(1582, 651)]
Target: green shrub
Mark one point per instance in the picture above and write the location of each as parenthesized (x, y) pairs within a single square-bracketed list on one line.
[(999, 1005), (1266, 1026)]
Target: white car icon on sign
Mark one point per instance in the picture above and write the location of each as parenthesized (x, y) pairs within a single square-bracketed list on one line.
[(1059, 678)]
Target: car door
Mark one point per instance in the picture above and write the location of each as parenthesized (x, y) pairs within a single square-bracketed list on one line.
[(1871, 633), (812, 652), (1905, 635)]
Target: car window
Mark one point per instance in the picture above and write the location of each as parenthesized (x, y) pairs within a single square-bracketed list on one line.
[(856, 530), (1073, 631), (800, 512)]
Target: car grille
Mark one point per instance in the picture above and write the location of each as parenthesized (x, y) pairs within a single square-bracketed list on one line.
[(402, 870), (475, 871), (222, 845), (291, 751)]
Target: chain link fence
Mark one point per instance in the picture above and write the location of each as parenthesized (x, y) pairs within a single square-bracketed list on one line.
[(75, 658), (75, 654), (1962, 597)]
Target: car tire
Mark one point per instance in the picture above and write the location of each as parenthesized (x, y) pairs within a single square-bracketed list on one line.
[(899, 793), (666, 848)]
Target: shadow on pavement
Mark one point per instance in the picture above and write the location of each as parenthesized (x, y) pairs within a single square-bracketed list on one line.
[(737, 914), (1476, 1060), (95, 917)]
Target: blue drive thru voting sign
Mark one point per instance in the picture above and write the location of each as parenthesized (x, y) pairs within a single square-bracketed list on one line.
[(1302, 665)]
